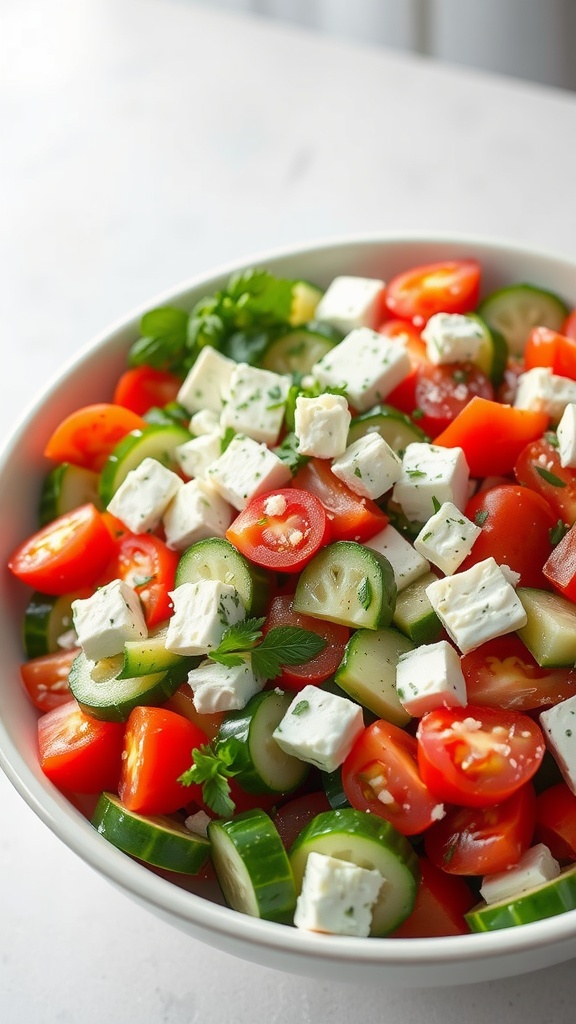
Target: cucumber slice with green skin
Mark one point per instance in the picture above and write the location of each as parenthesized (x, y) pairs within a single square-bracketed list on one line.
[(547, 900), (369, 842), (492, 355), (367, 672), (515, 310), (217, 559), (45, 620), (347, 583), (397, 429), (296, 350), (101, 693), (156, 442), (158, 840), (145, 657), (260, 765), (332, 785), (252, 866), (67, 487), (414, 615), (305, 298), (550, 632)]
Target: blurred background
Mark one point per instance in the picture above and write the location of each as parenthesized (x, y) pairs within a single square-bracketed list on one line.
[(531, 39)]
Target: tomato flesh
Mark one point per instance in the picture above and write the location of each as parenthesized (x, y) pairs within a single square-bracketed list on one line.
[(441, 902), (323, 665), (350, 517), (448, 287), (88, 436), (285, 542), (492, 435), (556, 821), (538, 467), (149, 566), (442, 392), (45, 678), (503, 674), (545, 347), (77, 752), (143, 387)]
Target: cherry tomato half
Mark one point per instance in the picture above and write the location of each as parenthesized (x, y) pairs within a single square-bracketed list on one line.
[(78, 752), (88, 436), (45, 678), (538, 467), (447, 287), (442, 392), (441, 902), (350, 517), (403, 396), (284, 542), (142, 387), (545, 347), (295, 677), (476, 756), (503, 674), (556, 821), (147, 565)]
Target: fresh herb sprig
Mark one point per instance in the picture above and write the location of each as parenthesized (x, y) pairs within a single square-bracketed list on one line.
[(282, 645), (211, 768)]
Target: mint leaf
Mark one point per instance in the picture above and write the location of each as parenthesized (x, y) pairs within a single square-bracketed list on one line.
[(285, 645)]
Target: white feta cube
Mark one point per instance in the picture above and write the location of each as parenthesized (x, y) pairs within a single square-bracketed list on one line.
[(407, 563), (536, 866), (430, 677), (321, 425), (198, 823), (351, 302), (431, 472), (320, 728), (220, 688), (196, 455), (198, 511), (447, 538), (543, 391), (337, 896), (203, 611), (255, 403), (245, 470), (143, 497), (207, 382), (369, 466), (107, 619), (367, 365), (559, 728), (452, 338), (476, 605), (205, 421), (567, 437)]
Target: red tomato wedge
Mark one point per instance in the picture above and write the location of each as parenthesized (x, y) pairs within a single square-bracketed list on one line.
[(350, 516), (147, 565), (569, 325), (158, 748), (292, 817), (284, 542), (448, 287), (556, 821), (142, 387), (403, 396), (560, 568), (538, 467), (380, 775), (492, 435), (549, 348), (442, 392), (477, 756), (78, 752), (46, 679), (295, 677), (88, 436), (68, 554), (483, 840), (441, 902), (503, 674)]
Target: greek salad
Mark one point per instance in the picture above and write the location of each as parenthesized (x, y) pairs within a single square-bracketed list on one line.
[(302, 612)]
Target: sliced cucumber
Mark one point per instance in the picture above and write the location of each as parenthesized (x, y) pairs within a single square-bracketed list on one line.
[(158, 441), (67, 487), (368, 671), (492, 355), (217, 559), (347, 583), (397, 429), (260, 765), (547, 900), (369, 842), (550, 632), (149, 656), (159, 840), (297, 350), (45, 620), (101, 693), (305, 298), (515, 310), (333, 788), (414, 615), (252, 866)]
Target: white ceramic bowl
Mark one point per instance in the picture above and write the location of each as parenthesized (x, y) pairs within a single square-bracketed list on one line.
[(89, 378)]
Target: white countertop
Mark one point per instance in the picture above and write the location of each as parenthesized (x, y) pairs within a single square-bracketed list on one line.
[(144, 141)]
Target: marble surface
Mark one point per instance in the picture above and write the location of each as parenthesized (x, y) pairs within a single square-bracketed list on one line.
[(144, 141)]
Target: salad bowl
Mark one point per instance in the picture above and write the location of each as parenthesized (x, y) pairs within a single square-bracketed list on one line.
[(196, 907)]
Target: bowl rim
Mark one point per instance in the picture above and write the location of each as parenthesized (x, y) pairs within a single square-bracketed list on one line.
[(139, 881)]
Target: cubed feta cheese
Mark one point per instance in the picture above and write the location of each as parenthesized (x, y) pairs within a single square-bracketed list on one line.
[(351, 302), (407, 563), (207, 382), (369, 466), (143, 497), (203, 611), (430, 677), (245, 470), (205, 421), (536, 866), (447, 538), (320, 728), (255, 403), (430, 472), (198, 511), (367, 365), (107, 619), (337, 896), (452, 338), (321, 425), (196, 455), (220, 688), (543, 391), (567, 437), (476, 605), (559, 727)]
